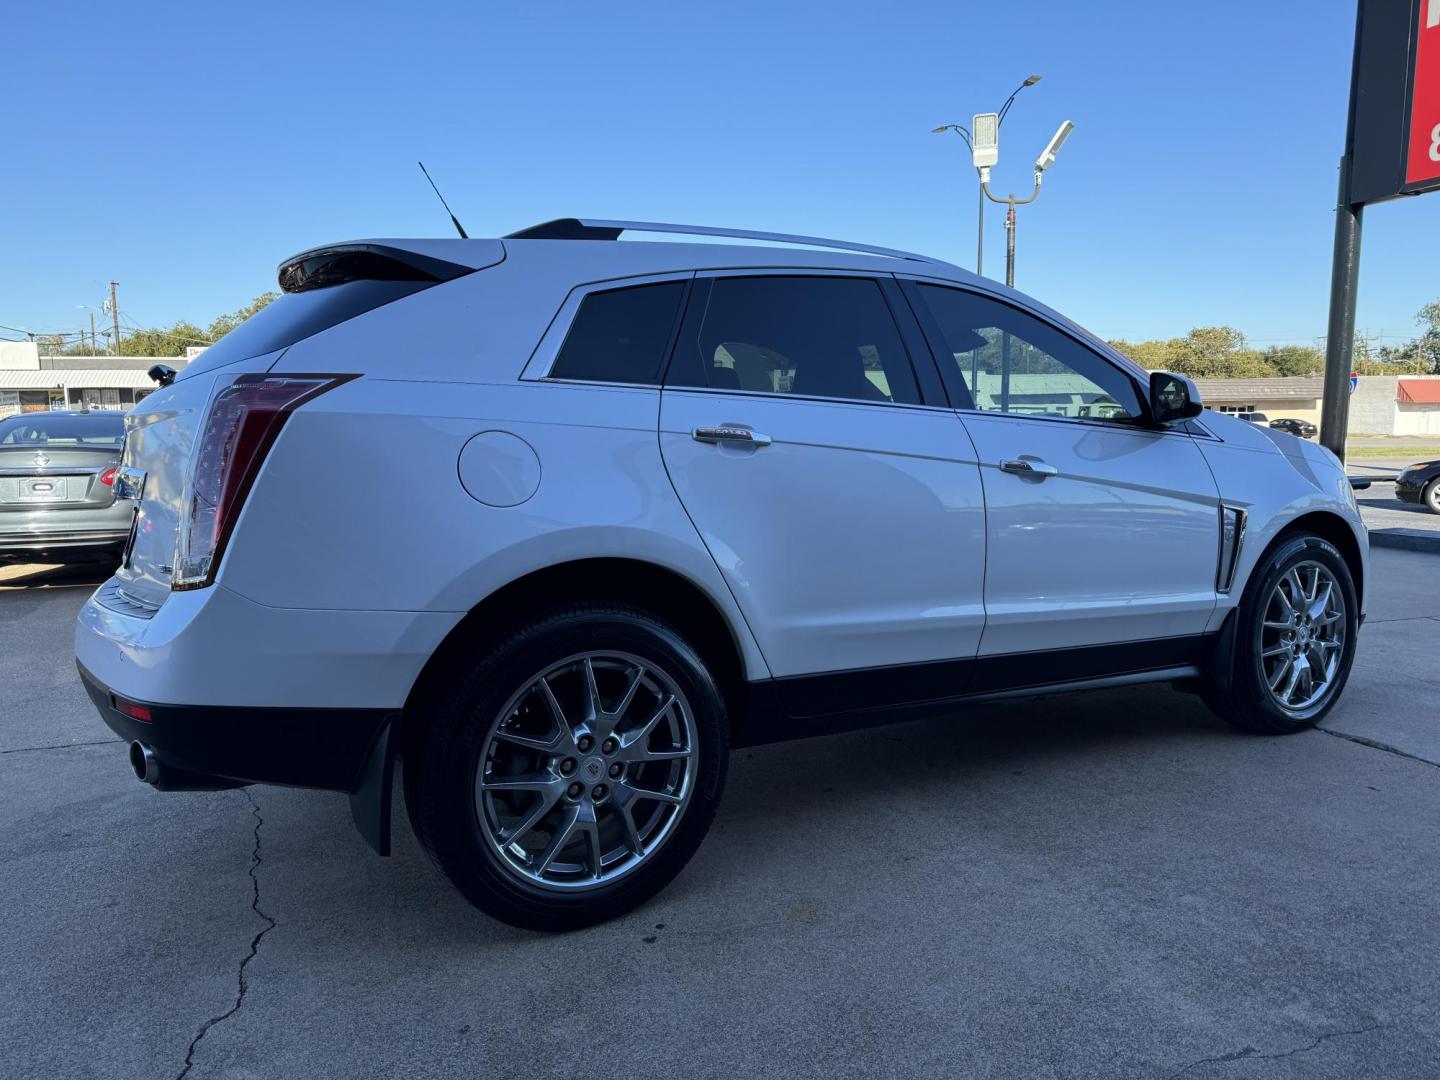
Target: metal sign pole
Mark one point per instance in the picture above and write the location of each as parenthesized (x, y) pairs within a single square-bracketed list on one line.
[(1340, 335)]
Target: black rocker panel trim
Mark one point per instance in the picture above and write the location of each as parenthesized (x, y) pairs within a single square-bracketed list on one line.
[(804, 705)]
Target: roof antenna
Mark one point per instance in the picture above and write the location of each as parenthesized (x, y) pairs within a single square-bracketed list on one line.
[(458, 227)]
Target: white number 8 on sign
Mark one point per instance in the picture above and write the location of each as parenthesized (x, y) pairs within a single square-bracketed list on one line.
[(1435, 143)]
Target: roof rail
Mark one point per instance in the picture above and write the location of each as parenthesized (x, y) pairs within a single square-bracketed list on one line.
[(594, 229)]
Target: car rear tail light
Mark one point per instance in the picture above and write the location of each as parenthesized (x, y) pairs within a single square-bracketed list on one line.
[(243, 422), (108, 476)]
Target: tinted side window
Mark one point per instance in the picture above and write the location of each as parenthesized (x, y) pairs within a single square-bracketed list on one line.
[(810, 336), (621, 335), (1013, 362)]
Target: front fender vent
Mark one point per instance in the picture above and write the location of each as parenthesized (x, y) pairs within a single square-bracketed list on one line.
[(1232, 537)]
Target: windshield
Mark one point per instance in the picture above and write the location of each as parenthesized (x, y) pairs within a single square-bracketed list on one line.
[(45, 429)]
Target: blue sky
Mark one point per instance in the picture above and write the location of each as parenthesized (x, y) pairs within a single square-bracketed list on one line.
[(185, 150)]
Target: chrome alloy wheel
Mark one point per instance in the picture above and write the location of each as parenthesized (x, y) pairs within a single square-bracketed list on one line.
[(586, 771), (1302, 636)]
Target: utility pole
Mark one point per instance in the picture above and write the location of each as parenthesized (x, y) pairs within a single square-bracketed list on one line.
[(115, 315), (92, 333)]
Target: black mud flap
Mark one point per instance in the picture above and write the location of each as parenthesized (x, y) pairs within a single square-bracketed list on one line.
[(1219, 668), (370, 801)]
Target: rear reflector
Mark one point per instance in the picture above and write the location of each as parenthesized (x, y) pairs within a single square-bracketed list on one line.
[(132, 709), (243, 422), (108, 477)]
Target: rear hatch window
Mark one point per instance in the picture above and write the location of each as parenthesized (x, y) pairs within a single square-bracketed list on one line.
[(323, 288)]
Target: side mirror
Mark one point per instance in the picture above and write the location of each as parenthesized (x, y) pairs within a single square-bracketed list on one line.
[(1173, 397)]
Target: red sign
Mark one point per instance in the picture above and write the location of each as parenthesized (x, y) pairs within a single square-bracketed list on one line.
[(1423, 161)]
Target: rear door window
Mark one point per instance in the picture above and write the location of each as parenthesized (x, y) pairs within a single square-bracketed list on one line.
[(826, 337), (621, 335)]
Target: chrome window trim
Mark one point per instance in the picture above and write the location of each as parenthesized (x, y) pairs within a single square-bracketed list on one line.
[(1134, 427), (761, 394), (547, 350)]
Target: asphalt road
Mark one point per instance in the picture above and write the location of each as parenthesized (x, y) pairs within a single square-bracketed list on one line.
[(1108, 885)]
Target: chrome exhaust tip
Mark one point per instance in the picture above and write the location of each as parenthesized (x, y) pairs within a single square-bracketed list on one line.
[(144, 763)]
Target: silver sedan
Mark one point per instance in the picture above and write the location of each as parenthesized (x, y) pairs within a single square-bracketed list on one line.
[(57, 500)]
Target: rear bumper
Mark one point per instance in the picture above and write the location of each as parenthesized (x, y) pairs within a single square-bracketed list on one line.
[(313, 748), (31, 544)]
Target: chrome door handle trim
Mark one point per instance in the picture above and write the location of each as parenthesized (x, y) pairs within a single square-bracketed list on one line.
[(730, 434), (1027, 467)]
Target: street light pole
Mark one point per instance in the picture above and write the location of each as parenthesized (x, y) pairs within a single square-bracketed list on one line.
[(964, 133), (1043, 162)]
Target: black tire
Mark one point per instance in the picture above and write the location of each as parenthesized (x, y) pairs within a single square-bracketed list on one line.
[(440, 770), (1239, 693), (1430, 497)]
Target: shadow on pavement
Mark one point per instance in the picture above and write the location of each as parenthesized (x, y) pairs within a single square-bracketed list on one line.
[(45, 576)]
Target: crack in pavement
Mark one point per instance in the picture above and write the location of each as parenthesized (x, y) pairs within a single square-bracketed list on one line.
[(1375, 744), (270, 924), (58, 746), (1250, 1053)]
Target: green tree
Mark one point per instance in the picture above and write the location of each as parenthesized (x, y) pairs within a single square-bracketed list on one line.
[(1294, 359), (167, 341), (174, 340), (225, 323), (1428, 344)]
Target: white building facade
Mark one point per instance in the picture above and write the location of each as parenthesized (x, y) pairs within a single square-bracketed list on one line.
[(30, 382)]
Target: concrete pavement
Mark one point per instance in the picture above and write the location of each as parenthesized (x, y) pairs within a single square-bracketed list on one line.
[(1105, 885)]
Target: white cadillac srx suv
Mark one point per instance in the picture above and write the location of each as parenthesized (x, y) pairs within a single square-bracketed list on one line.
[(556, 520)]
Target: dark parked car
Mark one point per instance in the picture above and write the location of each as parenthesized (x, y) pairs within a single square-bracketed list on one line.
[(1302, 428), (1420, 483), (57, 502)]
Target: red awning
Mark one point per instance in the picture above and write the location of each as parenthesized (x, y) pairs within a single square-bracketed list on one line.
[(1418, 392)]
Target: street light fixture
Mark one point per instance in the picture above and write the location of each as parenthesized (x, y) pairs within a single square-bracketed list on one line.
[(973, 143), (1043, 162)]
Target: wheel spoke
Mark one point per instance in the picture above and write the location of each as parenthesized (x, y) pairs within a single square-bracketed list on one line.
[(592, 691), (1297, 589), (630, 738), (1286, 625), (542, 807), (591, 827), (627, 825), (533, 782), (554, 705), (676, 754), (635, 678), (1276, 650), (1299, 666), (562, 836), (1281, 670), (1321, 602), (530, 741), (645, 793)]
